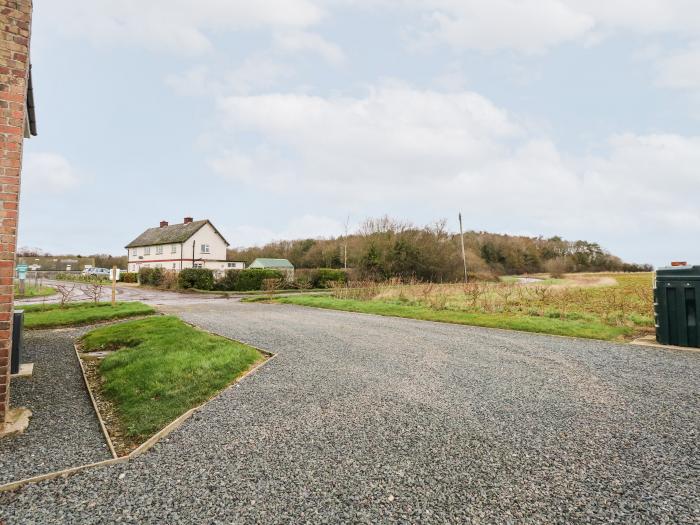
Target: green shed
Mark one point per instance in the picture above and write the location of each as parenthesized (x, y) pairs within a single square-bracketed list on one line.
[(283, 265)]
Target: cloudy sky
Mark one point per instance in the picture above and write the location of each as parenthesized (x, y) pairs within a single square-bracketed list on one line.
[(281, 118)]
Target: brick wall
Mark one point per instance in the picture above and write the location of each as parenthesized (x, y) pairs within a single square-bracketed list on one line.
[(15, 20)]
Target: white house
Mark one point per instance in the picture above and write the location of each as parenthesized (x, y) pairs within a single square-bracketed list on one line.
[(192, 244)]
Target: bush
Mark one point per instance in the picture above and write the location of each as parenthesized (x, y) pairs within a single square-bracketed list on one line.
[(246, 280), (321, 277), (199, 278), (129, 277), (151, 276)]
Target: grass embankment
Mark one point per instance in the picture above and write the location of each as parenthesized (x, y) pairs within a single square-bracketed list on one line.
[(34, 291), (76, 314), (597, 306), (161, 368)]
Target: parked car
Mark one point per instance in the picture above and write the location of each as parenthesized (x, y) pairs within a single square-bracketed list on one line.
[(97, 272)]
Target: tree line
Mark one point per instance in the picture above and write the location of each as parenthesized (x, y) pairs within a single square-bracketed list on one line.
[(384, 248)]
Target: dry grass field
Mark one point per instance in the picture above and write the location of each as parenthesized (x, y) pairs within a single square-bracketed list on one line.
[(598, 305)]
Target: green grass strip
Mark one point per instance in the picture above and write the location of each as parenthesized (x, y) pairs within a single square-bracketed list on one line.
[(545, 325), (163, 368), (76, 314)]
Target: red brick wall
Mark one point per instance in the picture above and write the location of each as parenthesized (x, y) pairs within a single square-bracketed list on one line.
[(15, 20)]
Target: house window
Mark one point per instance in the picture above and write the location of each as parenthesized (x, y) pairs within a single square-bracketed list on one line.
[(233, 265), (147, 250), (173, 266), (159, 249), (198, 265), (134, 252), (173, 248), (205, 248)]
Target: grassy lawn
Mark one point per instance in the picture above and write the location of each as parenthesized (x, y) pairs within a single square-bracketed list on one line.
[(34, 291), (511, 321), (74, 314), (162, 367)]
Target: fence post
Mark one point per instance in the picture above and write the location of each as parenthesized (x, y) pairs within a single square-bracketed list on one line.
[(114, 285)]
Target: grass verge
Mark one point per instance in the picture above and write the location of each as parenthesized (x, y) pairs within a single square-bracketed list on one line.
[(573, 328), (34, 291), (160, 368), (75, 314)]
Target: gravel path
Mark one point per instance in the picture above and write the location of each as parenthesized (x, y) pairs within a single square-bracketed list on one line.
[(370, 419), (63, 430)]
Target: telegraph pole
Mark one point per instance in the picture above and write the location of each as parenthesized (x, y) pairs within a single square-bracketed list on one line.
[(464, 255)]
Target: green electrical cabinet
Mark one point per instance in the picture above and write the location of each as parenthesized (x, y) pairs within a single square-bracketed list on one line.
[(676, 296)]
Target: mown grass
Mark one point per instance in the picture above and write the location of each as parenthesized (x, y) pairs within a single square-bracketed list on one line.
[(34, 291), (162, 368), (76, 314), (587, 328)]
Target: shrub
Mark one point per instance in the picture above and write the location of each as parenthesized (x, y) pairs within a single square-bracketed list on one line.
[(321, 277), (151, 276), (199, 278), (246, 280), (129, 277)]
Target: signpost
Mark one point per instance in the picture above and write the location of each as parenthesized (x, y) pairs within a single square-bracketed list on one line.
[(22, 275)]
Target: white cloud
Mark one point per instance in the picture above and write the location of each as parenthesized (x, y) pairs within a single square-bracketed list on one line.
[(255, 73), (48, 172), (401, 149), (304, 41), (680, 70), (180, 26), (532, 26), (306, 226)]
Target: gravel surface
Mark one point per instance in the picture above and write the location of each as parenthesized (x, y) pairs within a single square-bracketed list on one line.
[(373, 419), (63, 430)]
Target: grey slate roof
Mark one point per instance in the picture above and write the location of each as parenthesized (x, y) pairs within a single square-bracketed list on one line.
[(170, 234)]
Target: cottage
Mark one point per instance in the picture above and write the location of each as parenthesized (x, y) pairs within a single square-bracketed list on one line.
[(192, 244), (283, 265)]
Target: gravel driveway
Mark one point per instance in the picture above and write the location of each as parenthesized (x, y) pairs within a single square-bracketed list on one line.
[(372, 419)]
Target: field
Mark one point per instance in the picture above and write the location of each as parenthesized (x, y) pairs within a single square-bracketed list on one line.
[(600, 306)]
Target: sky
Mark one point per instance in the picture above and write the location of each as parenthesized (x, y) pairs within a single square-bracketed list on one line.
[(282, 119)]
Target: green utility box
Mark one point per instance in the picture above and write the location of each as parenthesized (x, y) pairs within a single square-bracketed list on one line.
[(676, 296)]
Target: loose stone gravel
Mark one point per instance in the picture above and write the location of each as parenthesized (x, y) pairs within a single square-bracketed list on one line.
[(63, 430), (369, 419)]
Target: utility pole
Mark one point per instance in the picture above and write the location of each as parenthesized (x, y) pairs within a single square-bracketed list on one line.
[(464, 255), (345, 262)]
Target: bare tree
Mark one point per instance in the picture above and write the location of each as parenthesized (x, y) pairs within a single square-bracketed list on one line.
[(93, 290), (66, 292)]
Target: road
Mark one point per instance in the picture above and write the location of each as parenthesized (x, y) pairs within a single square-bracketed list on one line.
[(369, 419), (126, 292)]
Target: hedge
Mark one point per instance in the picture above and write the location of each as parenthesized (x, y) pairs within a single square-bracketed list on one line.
[(151, 276), (128, 277), (199, 278), (321, 277), (246, 280)]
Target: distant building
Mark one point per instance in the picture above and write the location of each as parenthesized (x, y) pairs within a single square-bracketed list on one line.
[(192, 244), (282, 265), (50, 263)]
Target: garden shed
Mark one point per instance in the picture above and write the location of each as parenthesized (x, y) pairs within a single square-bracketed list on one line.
[(282, 265)]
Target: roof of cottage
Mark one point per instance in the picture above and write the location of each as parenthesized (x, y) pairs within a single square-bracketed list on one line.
[(171, 234)]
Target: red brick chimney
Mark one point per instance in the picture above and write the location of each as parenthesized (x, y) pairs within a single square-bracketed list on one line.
[(188, 220), (163, 224)]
